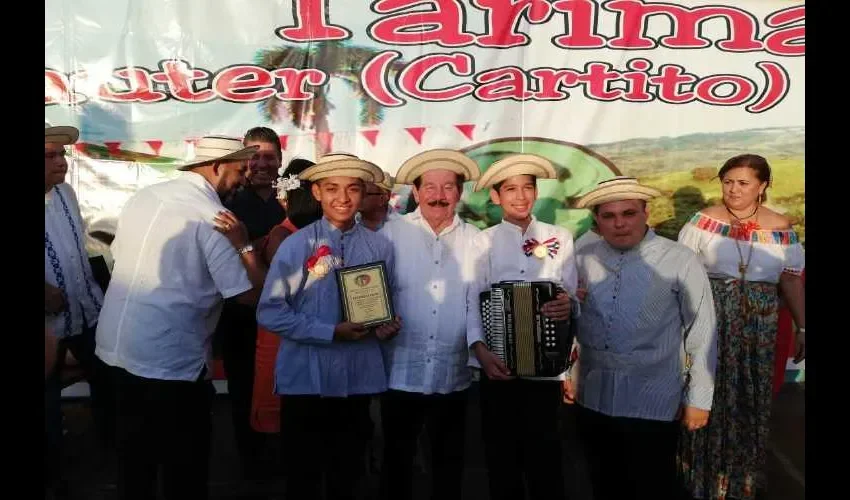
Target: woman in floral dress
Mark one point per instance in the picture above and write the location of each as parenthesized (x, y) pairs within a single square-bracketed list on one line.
[(750, 253)]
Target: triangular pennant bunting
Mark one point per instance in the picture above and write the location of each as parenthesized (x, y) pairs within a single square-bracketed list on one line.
[(113, 147), (466, 129), (416, 133), (370, 135), (284, 140), (156, 146)]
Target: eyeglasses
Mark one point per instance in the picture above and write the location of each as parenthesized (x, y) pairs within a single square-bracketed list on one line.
[(374, 193)]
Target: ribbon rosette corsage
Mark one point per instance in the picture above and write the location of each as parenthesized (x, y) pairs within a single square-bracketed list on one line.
[(319, 264), (743, 231), (541, 250)]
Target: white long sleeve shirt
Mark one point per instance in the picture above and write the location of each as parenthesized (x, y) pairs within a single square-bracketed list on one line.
[(172, 272), (66, 263), (433, 275), (500, 257)]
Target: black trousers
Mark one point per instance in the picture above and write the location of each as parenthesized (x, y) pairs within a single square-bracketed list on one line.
[(163, 426), (237, 338), (323, 443), (101, 399), (519, 422), (629, 457), (403, 415), (97, 374)]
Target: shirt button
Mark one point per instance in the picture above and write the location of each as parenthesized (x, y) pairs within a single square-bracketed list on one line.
[(432, 337), (436, 262), (434, 311), (435, 287), (522, 271), (428, 360)]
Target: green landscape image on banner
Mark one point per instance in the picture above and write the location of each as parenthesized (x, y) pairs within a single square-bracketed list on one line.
[(683, 168)]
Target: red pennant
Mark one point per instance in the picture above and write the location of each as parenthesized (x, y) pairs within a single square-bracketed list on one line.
[(326, 139), (81, 147), (155, 145), (284, 140), (112, 147), (370, 135), (466, 129), (416, 133), (193, 140)]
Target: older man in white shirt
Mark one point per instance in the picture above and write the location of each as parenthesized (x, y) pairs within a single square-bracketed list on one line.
[(427, 361), (178, 255), (72, 297)]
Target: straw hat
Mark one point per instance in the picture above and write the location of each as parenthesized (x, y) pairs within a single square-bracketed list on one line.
[(617, 189), (518, 164), (217, 148), (342, 165), (437, 159), (386, 183), (62, 135)]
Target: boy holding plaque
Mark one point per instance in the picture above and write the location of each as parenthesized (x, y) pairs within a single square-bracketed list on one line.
[(330, 362), (520, 414)]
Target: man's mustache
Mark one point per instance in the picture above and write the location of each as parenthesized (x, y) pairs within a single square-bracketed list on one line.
[(438, 203)]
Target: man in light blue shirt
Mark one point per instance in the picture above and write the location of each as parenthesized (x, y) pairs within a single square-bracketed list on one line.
[(327, 369), (647, 346)]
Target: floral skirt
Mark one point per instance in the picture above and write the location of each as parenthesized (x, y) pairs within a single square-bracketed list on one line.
[(725, 459)]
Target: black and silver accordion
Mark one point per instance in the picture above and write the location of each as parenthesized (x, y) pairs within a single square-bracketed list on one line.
[(529, 343)]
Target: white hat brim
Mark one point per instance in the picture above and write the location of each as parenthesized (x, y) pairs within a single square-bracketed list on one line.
[(437, 159), (347, 167), (63, 135), (243, 154), (513, 165), (617, 192)]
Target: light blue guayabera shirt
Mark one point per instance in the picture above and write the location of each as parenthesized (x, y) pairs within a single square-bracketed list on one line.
[(304, 309), (647, 310)]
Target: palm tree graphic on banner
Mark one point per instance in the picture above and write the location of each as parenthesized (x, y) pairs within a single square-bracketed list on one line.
[(337, 60)]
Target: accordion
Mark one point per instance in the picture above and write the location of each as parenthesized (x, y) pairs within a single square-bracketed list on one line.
[(529, 343)]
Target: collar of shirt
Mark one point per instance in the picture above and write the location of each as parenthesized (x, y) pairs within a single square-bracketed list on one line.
[(335, 231), (614, 256), (510, 226), (201, 182), (417, 217)]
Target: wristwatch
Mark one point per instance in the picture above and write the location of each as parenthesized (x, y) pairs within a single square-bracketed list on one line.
[(247, 248)]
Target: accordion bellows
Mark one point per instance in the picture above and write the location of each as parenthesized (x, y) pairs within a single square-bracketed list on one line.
[(529, 343)]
